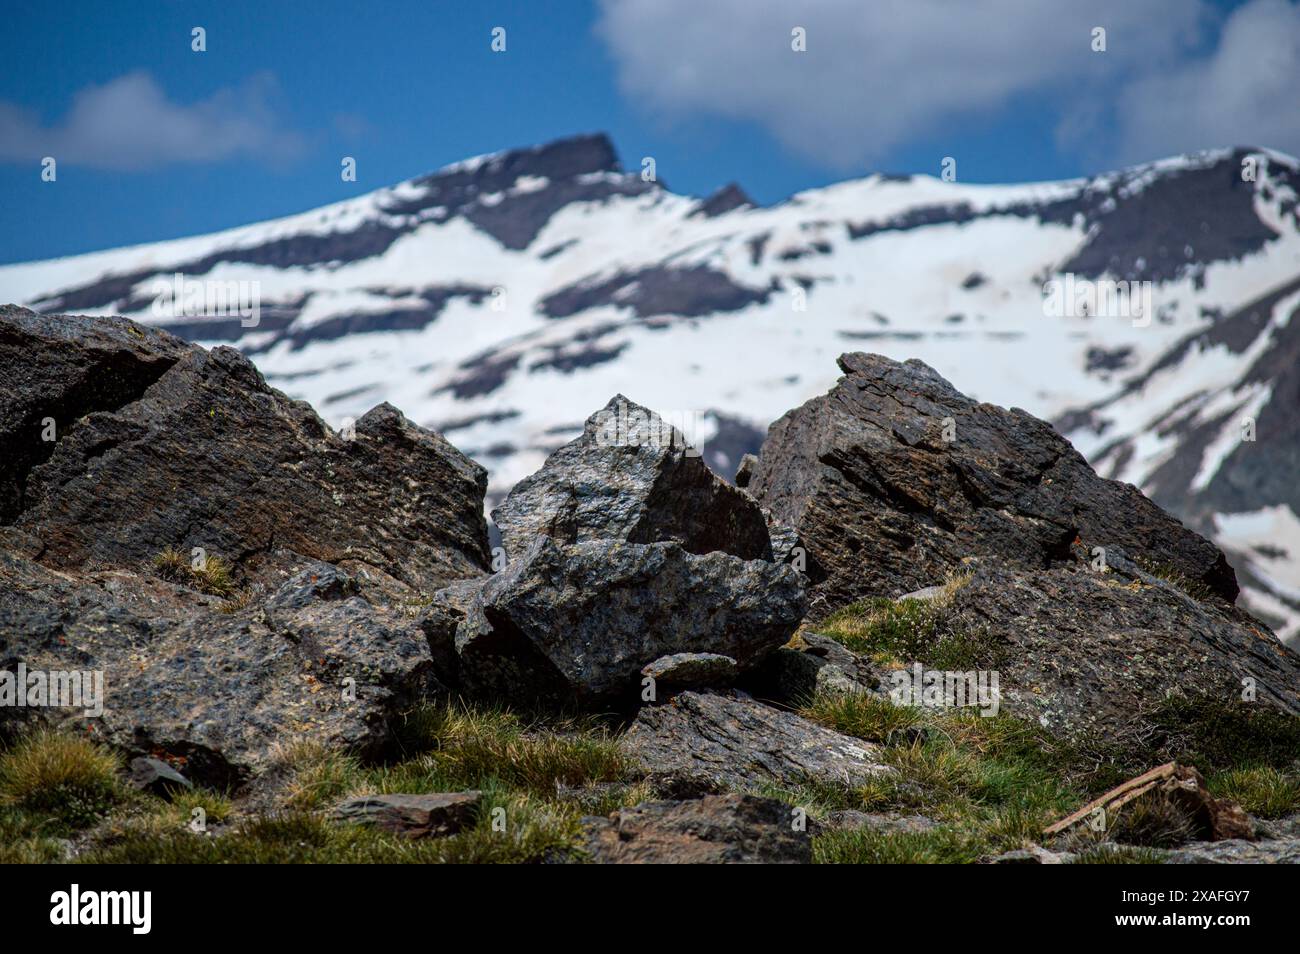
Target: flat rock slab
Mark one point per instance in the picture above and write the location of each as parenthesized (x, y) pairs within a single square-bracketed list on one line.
[(416, 816), (737, 741), (716, 829)]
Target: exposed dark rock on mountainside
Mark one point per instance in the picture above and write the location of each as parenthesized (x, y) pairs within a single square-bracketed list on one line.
[(894, 478), (248, 581)]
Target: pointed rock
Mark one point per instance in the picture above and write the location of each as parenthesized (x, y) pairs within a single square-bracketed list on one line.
[(631, 476), (894, 478)]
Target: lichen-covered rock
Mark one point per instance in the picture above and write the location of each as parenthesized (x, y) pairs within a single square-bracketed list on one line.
[(173, 446), (1079, 650), (215, 691), (715, 829), (578, 622), (736, 741), (893, 478), (631, 476)]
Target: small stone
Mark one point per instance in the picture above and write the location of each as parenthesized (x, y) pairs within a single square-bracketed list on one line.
[(157, 777), (416, 816)]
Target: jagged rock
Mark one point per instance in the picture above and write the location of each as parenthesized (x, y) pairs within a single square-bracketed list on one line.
[(1238, 853), (1278, 843), (886, 503), (1084, 651), (715, 829), (692, 670), (630, 476), (416, 816), (157, 777), (217, 690), (737, 741), (175, 446), (578, 622)]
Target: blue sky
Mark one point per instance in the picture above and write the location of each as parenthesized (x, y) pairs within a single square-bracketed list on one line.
[(154, 140)]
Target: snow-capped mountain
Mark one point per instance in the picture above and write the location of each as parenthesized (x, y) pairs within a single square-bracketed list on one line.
[(503, 299)]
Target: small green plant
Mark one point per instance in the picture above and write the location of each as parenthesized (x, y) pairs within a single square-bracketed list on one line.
[(211, 575), (1260, 790), (69, 779), (869, 847), (1174, 577), (860, 714), (892, 632), (1119, 855)]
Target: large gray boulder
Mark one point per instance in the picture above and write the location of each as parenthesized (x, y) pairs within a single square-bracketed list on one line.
[(578, 622), (125, 450), (217, 691), (631, 476), (159, 444), (894, 477)]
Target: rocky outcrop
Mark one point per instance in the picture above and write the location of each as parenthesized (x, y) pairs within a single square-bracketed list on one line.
[(191, 448), (631, 476), (1081, 650), (715, 829), (235, 573), (734, 740), (216, 691), (578, 622), (894, 478)]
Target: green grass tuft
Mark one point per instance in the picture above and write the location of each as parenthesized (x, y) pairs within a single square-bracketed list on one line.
[(71, 780)]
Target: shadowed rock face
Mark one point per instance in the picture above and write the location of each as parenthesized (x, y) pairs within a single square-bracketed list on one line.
[(894, 478), (630, 476)]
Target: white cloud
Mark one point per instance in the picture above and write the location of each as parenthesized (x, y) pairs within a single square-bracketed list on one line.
[(880, 75), (130, 124), (1246, 92)]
